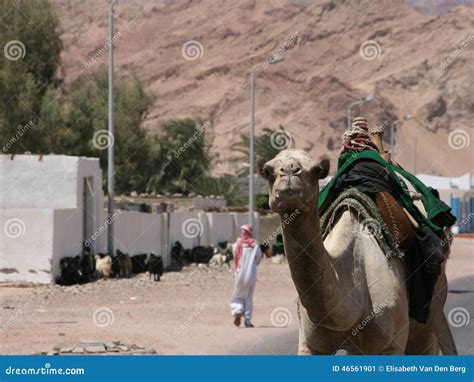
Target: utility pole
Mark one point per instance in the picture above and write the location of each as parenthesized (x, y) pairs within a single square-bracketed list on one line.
[(275, 59), (111, 141)]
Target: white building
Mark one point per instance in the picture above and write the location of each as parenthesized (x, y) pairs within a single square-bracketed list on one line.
[(458, 193), (48, 206)]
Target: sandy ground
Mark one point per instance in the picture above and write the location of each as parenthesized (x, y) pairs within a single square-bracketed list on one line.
[(186, 313)]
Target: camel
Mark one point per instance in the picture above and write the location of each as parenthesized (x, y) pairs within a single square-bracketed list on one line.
[(350, 296)]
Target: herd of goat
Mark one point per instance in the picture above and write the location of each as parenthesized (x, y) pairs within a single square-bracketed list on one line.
[(86, 268)]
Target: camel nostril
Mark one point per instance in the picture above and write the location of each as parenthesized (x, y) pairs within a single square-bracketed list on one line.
[(291, 170)]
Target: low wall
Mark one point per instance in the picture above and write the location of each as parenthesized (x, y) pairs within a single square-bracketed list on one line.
[(33, 241), (139, 232), (26, 245)]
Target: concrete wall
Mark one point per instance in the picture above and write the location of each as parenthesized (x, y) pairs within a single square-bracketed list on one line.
[(187, 228), (26, 244), (33, 241), (33, 183), (193, 228), (222, 227), (138, 232), (54, 182), (67, 236)]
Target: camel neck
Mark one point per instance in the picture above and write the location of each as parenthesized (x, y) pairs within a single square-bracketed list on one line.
[(310, 266), (302, 233)]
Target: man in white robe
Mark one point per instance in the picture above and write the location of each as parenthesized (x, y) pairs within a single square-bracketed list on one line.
[(247, 255)]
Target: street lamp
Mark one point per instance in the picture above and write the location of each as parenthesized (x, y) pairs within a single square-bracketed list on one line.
[(406, 117), (355, 103), (110, 149), (275, 59)]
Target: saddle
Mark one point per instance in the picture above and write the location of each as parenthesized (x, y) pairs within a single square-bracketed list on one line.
[(398, 223)]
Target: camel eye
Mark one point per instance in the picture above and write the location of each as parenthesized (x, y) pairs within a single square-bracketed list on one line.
[(267, 172)]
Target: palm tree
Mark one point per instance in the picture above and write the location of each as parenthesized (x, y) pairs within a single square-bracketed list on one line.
[(267, 145)]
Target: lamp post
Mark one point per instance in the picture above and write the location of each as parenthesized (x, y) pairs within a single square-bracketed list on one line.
[(406, 117), (355, 103), (275, 59), (110, 149)]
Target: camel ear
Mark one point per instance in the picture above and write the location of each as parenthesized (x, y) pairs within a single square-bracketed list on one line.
[(321, 170), (264, 171)]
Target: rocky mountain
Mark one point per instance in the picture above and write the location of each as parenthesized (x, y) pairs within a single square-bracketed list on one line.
[(196, 56)]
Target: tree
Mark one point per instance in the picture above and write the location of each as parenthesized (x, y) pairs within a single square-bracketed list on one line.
[(267, 145), (31, 47), (225, 186), (87, 124), (182, 155)]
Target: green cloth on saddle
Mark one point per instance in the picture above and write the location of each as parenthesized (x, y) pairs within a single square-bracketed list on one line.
[(432, 204), (372, 222)]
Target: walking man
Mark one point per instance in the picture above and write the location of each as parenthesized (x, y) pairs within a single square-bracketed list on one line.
[(247, 255)]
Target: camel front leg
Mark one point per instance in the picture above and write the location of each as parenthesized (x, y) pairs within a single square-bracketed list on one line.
[(306, 330)]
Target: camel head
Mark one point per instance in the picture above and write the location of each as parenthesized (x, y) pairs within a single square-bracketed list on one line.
[(293, 177)]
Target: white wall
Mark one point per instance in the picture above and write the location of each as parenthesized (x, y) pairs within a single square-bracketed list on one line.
[(67, 236), (222, 227), (185, 227), (46, 235), (55, 181), (138, 232), (26, 244)]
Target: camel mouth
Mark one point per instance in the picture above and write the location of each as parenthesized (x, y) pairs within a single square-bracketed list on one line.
[(287, 199), (288, 193)]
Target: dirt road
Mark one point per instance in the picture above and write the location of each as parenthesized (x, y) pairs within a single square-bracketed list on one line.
[(186, 313)]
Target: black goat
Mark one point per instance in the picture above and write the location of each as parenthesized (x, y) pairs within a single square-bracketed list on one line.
[(88, 268), (70, 271), (139, 263), (178, 254), (155, 266), (201, 254)]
